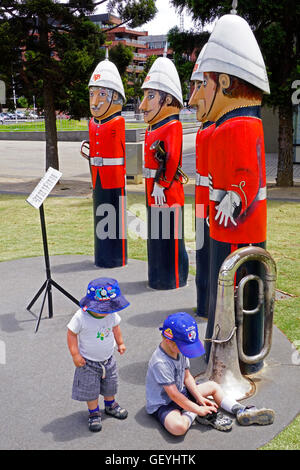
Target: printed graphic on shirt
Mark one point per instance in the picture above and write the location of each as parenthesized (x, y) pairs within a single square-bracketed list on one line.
[(103, 333)]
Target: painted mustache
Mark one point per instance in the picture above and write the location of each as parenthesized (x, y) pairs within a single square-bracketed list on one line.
[(96, 107)]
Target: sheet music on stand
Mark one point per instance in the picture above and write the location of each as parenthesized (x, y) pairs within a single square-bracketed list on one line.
[(44, 187), (36, 200)]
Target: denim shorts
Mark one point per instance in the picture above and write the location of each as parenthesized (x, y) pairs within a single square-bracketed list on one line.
[(94, 379)]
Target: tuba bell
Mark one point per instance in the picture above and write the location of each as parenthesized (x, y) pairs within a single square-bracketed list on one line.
[(227, 339)]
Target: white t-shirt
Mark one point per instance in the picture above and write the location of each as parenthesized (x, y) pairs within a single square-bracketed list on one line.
[(95, 335)]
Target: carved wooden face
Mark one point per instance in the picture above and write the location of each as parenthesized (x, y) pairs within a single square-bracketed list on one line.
[(209, 94), (102, 102), (223, 92), (197, 101), (152, 108)]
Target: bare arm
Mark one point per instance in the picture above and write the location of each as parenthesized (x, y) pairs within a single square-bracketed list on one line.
[(187, 404), (78, 360), (119, 339), (191, 385)]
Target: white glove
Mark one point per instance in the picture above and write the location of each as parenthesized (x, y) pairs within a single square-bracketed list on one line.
[(158, 194), (227, 207)]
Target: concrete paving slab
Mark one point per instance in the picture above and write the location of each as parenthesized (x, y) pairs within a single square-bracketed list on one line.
[(36, 370)]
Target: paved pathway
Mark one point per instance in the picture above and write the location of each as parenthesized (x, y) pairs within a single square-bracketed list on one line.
[(36, 371)]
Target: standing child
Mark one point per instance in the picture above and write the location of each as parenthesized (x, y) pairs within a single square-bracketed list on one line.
[(172, 395), (93, 332)]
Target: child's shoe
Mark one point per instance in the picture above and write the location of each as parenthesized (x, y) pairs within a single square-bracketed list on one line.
[(95, 424), (251, 415), (116, 411), (217, 420)]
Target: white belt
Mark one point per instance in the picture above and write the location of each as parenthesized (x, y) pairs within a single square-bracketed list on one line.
[(149, 173), (105, 161), (218, 194), (201, 180)]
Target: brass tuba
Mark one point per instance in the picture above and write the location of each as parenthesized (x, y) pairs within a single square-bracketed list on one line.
[(227, 339)]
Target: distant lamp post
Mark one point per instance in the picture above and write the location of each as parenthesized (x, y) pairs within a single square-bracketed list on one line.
[(2, 92), (15, 98)]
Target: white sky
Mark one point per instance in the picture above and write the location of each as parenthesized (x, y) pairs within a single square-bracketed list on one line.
[(164, 20)]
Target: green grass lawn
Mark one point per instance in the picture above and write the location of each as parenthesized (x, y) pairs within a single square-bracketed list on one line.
[(69, 224), (61, 125)]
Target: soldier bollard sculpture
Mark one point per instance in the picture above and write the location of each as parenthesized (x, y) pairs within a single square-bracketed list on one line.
[(167, 256), (201, 191), (234, 81), (107, 165)]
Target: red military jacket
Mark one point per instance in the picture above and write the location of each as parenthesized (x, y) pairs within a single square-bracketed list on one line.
[(107, 141), (169, 131), (237, 163), (202, 190)]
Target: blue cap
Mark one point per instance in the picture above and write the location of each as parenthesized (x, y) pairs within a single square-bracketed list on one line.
[(181, 328), (103, 296)]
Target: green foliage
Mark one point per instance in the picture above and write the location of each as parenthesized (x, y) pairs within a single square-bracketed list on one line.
[(184, 43), (49, 42), (121, 56), (52, 42), (133, 83), (134, 12), (22, 102)]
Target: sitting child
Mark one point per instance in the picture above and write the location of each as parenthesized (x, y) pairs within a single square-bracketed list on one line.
[(92, 334), (172, 395)]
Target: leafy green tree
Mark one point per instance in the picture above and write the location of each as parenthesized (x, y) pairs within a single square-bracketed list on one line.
[(133, 12), (134, 82), (184, 44), (49, 54), (121, 56), (276, 27)]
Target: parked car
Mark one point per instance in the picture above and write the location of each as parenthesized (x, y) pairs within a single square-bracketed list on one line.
[(3, 117), (20, 115), (33, 115)]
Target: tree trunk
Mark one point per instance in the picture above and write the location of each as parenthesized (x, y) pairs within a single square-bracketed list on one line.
[(50, 128), (48, 96), (285, 146)]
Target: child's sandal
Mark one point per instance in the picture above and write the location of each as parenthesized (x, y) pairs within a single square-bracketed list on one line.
[(116, 411)]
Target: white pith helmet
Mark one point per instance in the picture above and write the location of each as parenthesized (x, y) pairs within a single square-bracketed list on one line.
[(163, 76), (107, 75), (232, 48), (196, 75)]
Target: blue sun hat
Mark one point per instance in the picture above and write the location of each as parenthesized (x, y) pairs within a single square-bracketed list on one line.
[(103, 296), (181, 328)]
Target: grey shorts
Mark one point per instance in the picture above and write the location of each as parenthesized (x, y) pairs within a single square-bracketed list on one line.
[(89, 381)]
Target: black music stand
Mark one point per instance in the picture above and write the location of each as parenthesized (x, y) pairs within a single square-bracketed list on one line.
[(36, 200)]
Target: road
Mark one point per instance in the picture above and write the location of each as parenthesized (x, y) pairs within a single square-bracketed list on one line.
[(26, 160)]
